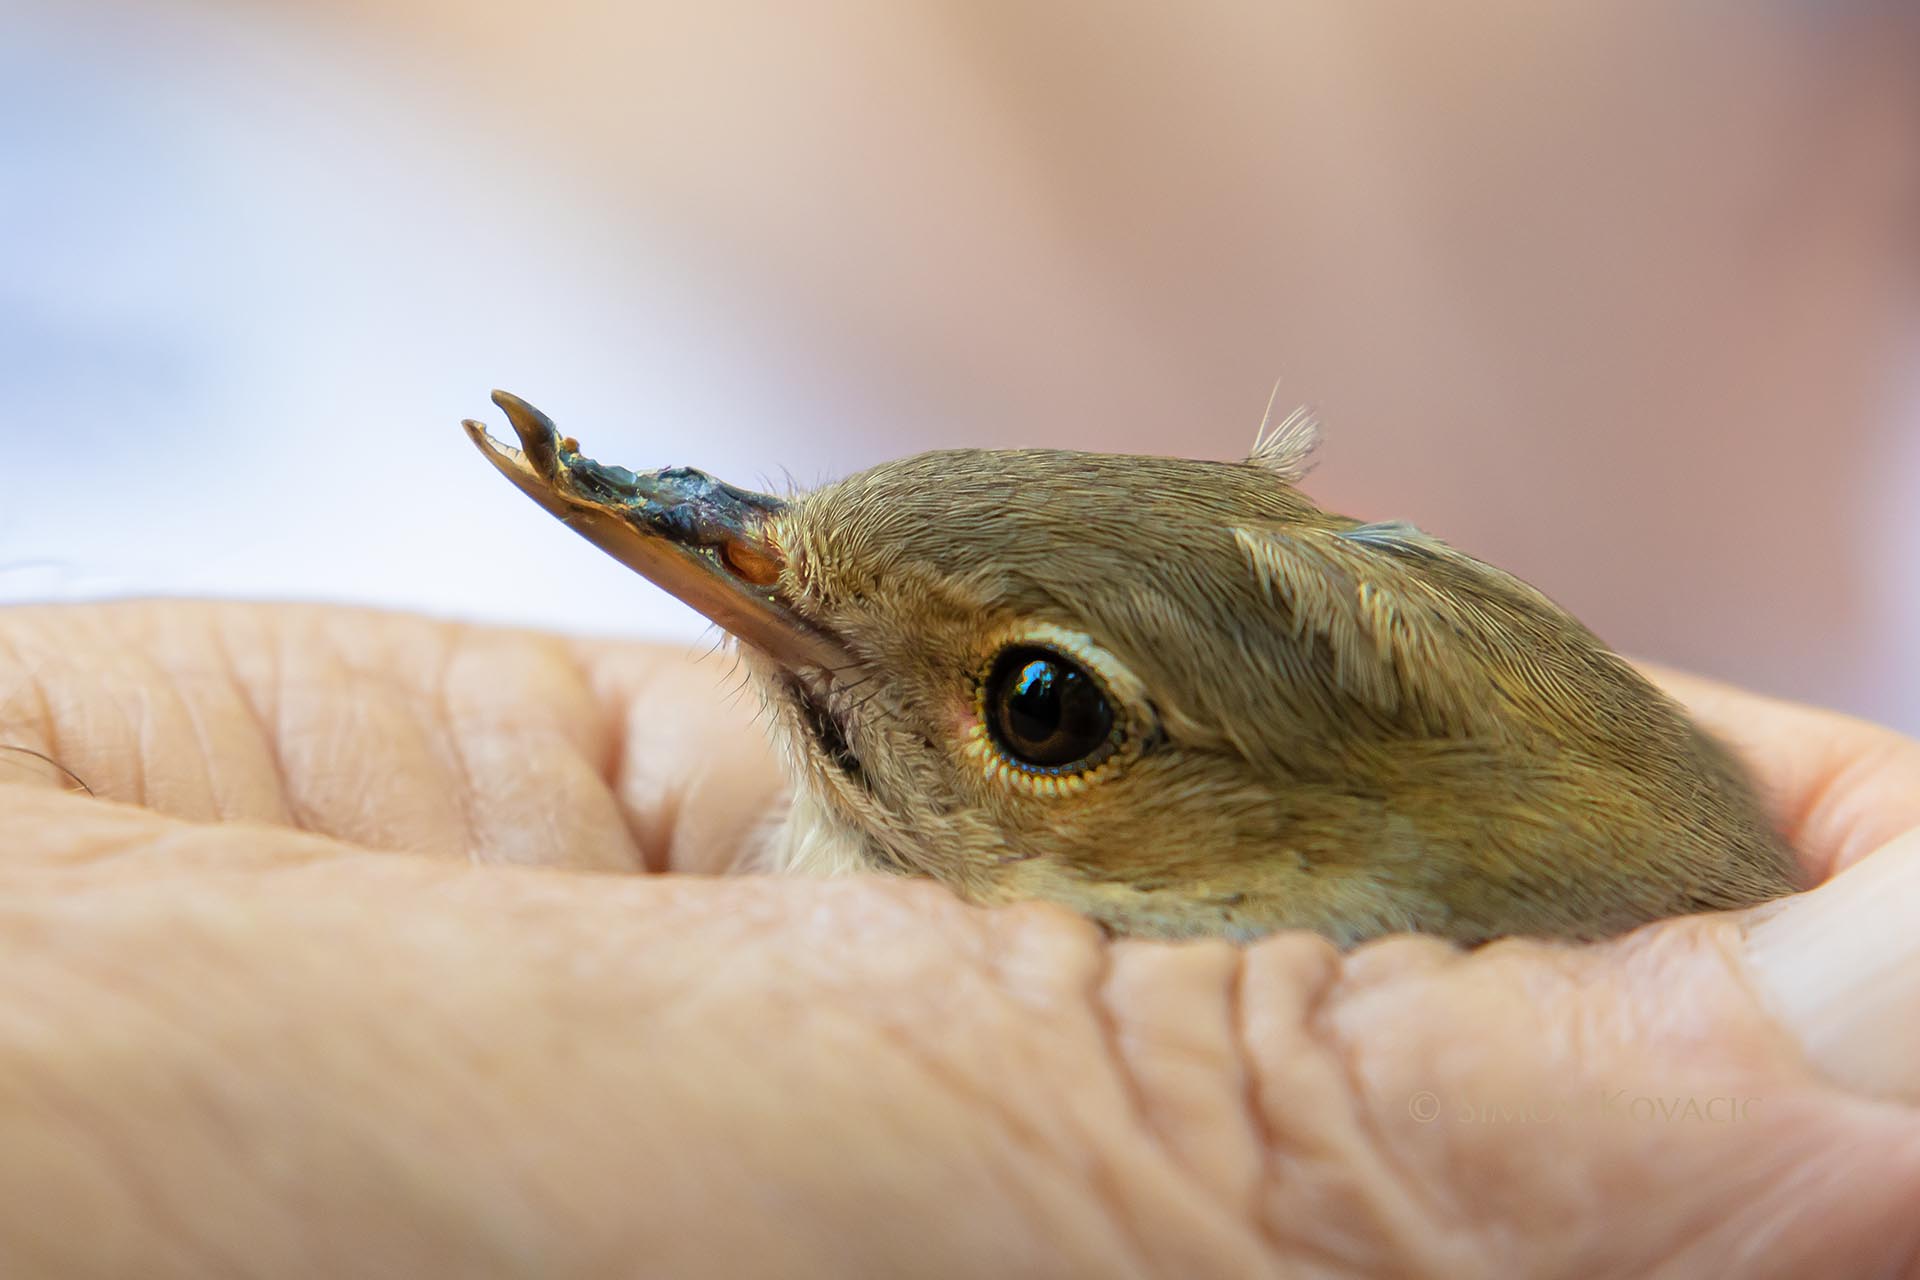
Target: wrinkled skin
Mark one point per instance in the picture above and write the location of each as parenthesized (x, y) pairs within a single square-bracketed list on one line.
[(319, 984)]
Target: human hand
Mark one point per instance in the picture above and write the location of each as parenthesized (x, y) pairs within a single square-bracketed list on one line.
[(325, 981)]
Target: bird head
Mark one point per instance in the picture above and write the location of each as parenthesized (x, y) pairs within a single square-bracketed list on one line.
[(1177, 696)]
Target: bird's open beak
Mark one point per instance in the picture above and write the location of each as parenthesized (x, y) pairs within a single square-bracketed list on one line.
[(701, 540)]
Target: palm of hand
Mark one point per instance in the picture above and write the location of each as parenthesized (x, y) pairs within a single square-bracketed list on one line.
[(322, 977)]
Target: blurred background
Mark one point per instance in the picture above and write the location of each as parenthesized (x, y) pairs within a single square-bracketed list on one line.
[(1623, 297)]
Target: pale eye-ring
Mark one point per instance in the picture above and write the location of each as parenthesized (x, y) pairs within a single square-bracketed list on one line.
[(1046, 712)]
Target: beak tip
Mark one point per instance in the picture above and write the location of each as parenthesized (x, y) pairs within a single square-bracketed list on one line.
[(477, 432), (508, 461)]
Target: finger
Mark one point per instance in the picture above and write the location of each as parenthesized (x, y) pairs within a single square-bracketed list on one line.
[(1538, 1109), (693, 772), (437, 1070), (1841, 787), (405, 1049), (1839, 967), (390, 732)]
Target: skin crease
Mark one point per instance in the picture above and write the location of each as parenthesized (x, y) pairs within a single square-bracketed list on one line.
[(325, 981)]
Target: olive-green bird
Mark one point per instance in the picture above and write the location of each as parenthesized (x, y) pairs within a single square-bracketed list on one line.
[(1180, 698)]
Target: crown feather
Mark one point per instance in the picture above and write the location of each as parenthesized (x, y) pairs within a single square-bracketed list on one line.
[(1286, 447)]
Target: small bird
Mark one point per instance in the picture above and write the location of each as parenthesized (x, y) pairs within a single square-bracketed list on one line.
[(1179, 698)]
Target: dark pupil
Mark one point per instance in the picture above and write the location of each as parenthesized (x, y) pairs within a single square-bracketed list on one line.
[(1044, 710)]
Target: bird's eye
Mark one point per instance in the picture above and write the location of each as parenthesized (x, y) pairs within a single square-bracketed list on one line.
[(1046, 712)]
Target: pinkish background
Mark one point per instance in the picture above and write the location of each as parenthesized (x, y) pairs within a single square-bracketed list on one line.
[(1622, 297)]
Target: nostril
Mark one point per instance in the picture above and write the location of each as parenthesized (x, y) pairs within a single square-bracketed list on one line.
[(749, 563)]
